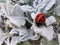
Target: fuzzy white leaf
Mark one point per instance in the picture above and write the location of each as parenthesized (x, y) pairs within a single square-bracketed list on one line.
[(21, 31), (46, 32), (17, 13), (33, 15), (57, 10), (36, 2), (14, 40), (2, 38), (50, 20), (17, 20), (26, 8), (43, 5), (29, 36), (7, 41), (35, 37), (8, 7), (14, 31), (23, 1), (59, 38), (50, 5)]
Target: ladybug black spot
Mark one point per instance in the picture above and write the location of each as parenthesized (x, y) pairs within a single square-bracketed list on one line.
[(39, 20), (38, 24), (43, 17)]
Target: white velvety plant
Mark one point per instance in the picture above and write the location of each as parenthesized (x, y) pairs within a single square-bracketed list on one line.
[(15, 14)]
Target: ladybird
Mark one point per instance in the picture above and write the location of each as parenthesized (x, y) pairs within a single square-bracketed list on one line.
[(40, 19)]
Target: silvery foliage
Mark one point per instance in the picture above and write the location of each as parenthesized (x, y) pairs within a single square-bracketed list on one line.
[(57, 10), (15, 17), (44, 6), (23, 1)]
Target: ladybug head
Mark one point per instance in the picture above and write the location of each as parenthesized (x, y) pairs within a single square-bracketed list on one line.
[(40, 19)]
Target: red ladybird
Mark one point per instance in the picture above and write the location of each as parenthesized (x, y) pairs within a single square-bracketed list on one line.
[(40, 18)]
